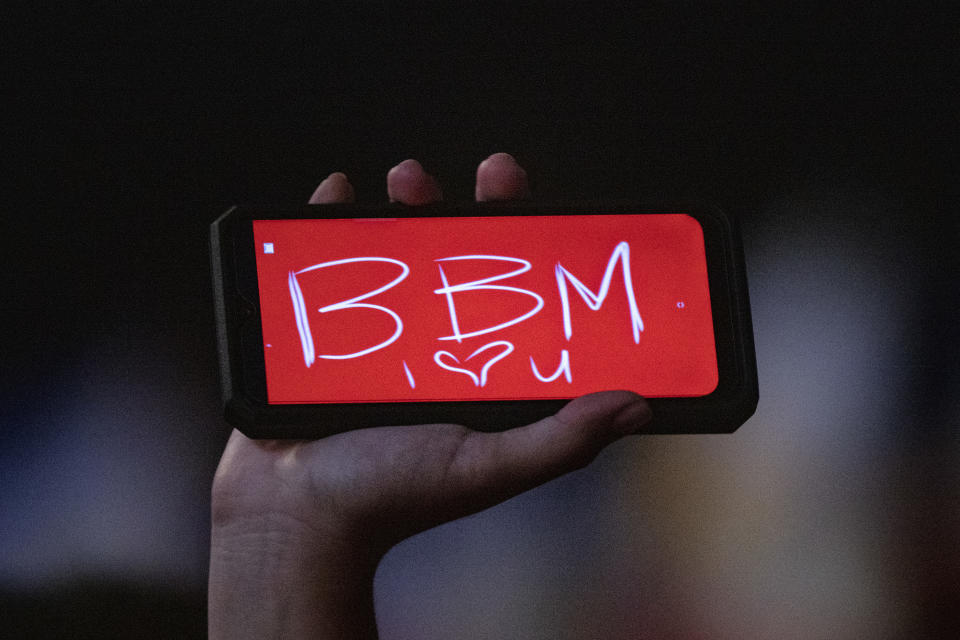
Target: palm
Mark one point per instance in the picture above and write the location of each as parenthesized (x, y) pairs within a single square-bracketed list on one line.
[(386, 483), (299, 527), (360, 479)]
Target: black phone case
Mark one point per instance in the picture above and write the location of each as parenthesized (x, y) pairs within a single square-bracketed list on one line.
[(239, 338)]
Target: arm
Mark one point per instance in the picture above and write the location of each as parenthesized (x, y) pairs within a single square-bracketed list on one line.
[(299, 527)]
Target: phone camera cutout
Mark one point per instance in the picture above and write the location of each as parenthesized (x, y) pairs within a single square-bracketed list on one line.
[(681, 305)]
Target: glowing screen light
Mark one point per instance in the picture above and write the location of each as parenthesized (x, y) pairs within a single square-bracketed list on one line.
[(484, 308)]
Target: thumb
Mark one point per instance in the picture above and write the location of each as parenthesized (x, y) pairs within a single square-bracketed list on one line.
[(492, 467)]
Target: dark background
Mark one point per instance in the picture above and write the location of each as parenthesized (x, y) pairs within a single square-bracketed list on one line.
[(829, 132)]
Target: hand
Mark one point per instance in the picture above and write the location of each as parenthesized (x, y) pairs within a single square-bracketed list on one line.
[(299, 527)]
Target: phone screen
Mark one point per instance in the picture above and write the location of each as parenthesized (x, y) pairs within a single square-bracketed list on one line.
[(484, 308)]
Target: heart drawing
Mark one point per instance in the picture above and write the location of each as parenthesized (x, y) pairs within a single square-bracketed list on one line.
[(481, 380)]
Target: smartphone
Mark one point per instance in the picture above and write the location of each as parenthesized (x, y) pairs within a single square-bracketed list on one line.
[(492, 315)]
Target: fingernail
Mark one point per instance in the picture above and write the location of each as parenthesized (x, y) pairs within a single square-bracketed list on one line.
[(632, 417)]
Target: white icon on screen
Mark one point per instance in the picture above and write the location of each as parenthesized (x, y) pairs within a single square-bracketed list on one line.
[(268, 247)]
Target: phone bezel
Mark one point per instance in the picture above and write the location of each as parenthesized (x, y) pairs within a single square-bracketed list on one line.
[(240, 342)]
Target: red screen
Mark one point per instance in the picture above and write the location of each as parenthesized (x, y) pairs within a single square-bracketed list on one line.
[(484, 308)]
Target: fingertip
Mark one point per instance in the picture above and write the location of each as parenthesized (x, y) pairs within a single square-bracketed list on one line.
[(606, 415), (632, 418), (500, 177), (574, 435), (407, 167), (408, 183), (334, 188), (588, 424), (500, 157), (495, 466)]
